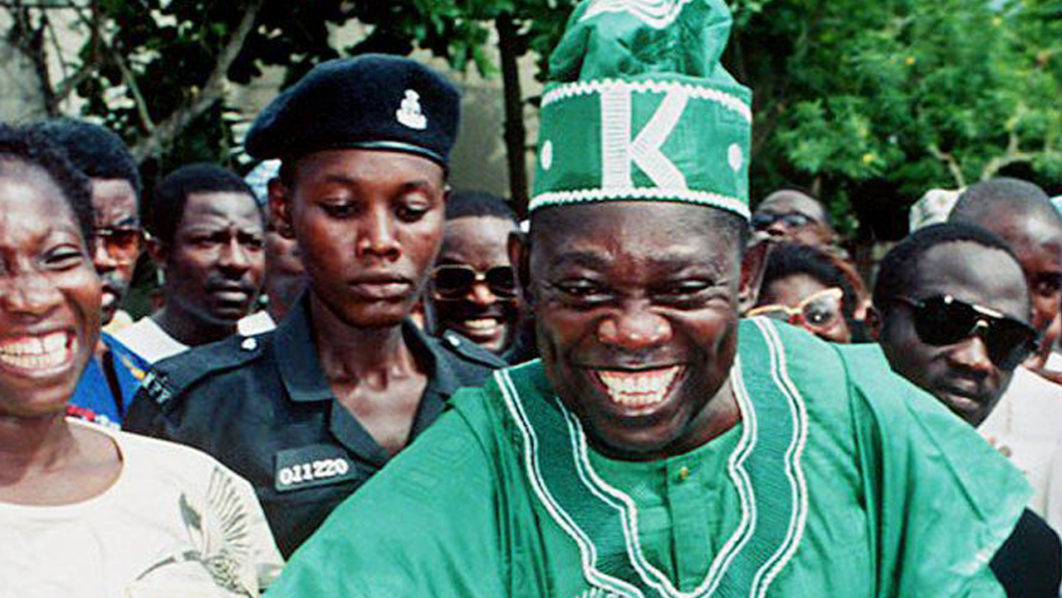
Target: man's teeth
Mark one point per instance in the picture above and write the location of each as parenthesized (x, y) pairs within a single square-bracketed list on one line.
[(481, 323), (35, 351), (638, 388)]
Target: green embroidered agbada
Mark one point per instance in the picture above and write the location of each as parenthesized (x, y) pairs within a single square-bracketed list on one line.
[(841, 479)]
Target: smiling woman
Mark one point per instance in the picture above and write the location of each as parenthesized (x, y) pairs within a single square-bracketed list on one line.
[(67, 488)]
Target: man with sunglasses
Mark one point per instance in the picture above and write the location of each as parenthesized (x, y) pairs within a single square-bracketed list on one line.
[(951, 312), (662, 446), (473, 287), (791, 215), (1027, 424), (311, 411), (111, 379)]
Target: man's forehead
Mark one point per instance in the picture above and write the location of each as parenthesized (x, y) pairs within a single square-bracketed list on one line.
[(113, 191), (792, 201), (635, 227), (476, 239), (222, 205), (491, 228), (1023, 228), (974, 273), (609, 254)]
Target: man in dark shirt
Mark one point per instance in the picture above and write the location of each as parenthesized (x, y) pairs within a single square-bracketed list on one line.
[(473, 285), (309, 412)]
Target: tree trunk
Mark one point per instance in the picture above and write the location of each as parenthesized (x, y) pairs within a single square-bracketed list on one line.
[(515, 133)]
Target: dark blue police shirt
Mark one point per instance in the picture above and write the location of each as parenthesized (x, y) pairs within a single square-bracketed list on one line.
[(262, 406)]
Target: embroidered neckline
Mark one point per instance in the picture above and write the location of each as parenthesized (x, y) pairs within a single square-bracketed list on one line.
[(622, 568)]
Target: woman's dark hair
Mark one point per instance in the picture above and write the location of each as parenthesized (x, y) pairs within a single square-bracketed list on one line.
[(24, 145), (789, 259)]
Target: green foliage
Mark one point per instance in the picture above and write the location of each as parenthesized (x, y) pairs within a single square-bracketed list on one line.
[(160, 53), (868, 104), (873, 103)]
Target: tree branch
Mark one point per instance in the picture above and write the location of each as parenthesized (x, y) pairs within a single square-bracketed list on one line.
[(41, 5), (1012, 155), (129, 78), (214, 89), (953, 165), (89, 66)]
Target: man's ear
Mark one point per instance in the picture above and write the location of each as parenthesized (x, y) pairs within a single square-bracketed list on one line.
[(874, 322), (280, 208), (753, 265), (520, 258)]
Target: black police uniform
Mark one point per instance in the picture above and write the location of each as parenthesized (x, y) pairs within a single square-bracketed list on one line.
[(262, 406)]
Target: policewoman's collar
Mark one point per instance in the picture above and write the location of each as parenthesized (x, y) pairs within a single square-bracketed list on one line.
[(304, 378)]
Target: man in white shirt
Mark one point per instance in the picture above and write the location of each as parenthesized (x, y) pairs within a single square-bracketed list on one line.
[(1027, 423), (207, 238)]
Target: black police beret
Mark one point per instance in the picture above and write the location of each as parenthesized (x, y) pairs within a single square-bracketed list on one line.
[(373, 101)]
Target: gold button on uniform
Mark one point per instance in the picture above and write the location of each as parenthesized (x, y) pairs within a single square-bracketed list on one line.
[(684, 473)]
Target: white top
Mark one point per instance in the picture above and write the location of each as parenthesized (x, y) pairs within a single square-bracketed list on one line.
[(257, 323), (1026, 425), (176, 523), (148, 340)]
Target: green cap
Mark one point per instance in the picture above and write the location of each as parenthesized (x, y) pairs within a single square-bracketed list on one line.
[(639, 108)]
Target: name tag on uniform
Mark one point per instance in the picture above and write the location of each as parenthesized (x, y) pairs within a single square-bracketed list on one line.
[(314, 465)]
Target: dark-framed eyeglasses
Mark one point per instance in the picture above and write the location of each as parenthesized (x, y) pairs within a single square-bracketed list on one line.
[(764, 220), (454, 281), (817, 312), (943, 320), (121, 243)]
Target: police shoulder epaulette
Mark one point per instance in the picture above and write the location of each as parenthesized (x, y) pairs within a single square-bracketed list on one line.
[(470, 350), (170, 377)]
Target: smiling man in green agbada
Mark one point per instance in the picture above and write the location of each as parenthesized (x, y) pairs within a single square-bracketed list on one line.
[(661, 447)]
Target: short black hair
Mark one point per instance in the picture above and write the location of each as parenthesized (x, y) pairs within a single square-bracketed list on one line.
[(980, 203), (896, 273), (96, 151), (30, 147), (789, 259), (468, 204), (171, 195)]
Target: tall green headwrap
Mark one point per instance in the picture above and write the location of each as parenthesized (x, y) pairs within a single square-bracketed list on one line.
[(639, 108)]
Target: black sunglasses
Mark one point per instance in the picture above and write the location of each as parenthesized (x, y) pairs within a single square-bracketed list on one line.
[(762, 220), (454, 281), (944, 320)]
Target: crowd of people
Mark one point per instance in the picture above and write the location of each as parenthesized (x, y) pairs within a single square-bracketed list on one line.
[(356, 381)]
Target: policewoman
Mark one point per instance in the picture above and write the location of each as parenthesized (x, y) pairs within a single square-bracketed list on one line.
[(310, 411)]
